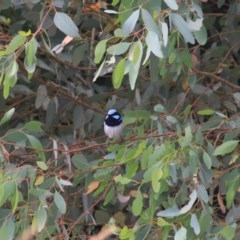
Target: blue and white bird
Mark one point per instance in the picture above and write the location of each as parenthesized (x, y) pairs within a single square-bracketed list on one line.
[(113, 124)]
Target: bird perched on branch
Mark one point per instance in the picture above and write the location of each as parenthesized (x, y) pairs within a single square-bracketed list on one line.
[(113, 124)]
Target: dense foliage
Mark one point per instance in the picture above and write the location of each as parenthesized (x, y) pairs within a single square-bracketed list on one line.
[(171, 67)]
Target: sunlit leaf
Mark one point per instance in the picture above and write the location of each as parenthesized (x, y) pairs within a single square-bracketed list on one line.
[(137, 204), (100, 50), (7, 116), (15, 43), (149, 22), (172, 4), (226, 147), (206, 112), (182, 26), (156, 176), (164, 33), (188, 206), (118, 73), (154, 44), (195, 224), (92, 187), (130, 23), (169, 212), (181, 234), (42, 165), (30, 60), (118, 48)]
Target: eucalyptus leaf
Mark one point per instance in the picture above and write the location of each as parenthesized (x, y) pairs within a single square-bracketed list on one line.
[(226, 147), (130, 23), (182, 26), (65, 24)]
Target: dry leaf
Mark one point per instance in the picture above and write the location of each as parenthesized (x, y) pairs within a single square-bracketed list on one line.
[(5, 152), (67, 40), (39, 180), (221, 204), (92, 186), (122, 198), (104, 233)]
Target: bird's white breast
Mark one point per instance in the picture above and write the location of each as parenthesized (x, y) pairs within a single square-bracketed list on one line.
[(112, 132)]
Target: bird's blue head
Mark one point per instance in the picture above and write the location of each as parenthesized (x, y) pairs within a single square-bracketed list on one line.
[(113, 118)]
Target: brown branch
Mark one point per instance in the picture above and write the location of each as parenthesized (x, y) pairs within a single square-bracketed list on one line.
[(217, 78)]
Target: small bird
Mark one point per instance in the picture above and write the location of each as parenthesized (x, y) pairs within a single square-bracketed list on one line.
[(113, 124)]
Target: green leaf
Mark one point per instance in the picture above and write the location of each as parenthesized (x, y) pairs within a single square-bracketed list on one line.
[(130, 23), (182, 26), (207, 160), (206, 112), (226, 147), (15, 43), (122, 180), (135, 57), (37, 146), (187, 138), (41, 219), (172, 57), (118, 73), (7, 189), (34, 126), (7, 116), (187, 58), (118, 49), (60, 202), (228, 232), (201, 35), (137, 204), (42, 165), (156, 176), (30, 60), (100, 50), (65, 24)]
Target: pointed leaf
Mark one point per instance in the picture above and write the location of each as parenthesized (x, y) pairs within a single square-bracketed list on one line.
[(41, 219), (181, 234), (7, 116), (195, 224), (170, 212), (130, 23), (65, 24), (60, 202), (193, 197), (226, 147), (154, 44), (118, 73), (100, 50), (207, 160), (182, 26), (137, 204)]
